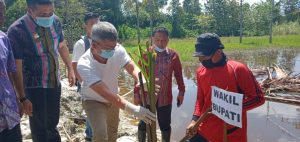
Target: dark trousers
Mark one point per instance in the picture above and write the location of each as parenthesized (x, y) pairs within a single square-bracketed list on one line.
[(13, 135), (197, 138), (45, 115), (163, 117)]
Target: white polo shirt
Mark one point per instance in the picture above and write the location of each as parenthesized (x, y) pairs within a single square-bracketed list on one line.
[(79, 49), (91, 71)]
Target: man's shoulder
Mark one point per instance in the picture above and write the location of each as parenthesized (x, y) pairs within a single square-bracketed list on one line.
[(79, 42), (17, 26), (85, 59), (2, 35), (200, 70), (236, 64), (120, 48)]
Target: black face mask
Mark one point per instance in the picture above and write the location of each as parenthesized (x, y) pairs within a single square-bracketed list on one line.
[(209, 64)]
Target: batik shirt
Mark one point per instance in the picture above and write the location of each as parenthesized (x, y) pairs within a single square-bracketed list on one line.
[(9, 112), (38, 48)]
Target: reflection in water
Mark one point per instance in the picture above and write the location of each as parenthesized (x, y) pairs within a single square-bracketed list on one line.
[(282, 126), (272, 122), (267, 57)]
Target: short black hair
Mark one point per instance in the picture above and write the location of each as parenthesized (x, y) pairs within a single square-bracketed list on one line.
[(88, 16), (161, 30), (38, 2)]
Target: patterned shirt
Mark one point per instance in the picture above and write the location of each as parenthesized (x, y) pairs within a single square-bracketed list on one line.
[(9, 112), (38, 48), (167, 63)]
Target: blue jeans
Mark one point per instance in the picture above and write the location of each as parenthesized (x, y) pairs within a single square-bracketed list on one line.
[(13, 135), (88, 129), (45, 115)]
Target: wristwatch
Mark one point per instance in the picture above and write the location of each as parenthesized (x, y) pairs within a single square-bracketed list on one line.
[(23, 99)]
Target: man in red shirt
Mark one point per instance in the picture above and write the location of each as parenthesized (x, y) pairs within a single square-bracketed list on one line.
[(229, 75), (167, 63)]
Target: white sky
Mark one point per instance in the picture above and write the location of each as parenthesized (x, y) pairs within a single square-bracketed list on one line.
[(202, 1)]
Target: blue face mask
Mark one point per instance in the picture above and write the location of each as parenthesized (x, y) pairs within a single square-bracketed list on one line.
[(159, 49), (107, 53), (45, 22)]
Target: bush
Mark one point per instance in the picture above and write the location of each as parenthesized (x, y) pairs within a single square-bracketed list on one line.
[(291, 28)]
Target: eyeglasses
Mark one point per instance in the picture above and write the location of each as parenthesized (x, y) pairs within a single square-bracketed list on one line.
[(105, 45)]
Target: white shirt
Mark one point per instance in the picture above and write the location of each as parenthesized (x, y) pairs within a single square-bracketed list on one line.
[(91, 71), (79, 49)]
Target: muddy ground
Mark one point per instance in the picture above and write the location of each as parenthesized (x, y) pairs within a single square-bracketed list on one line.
[(71, 124)]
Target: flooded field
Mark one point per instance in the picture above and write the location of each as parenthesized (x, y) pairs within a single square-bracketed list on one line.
[(272, 122)]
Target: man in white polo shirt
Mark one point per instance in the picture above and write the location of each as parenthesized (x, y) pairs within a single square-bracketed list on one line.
[(99, 68)]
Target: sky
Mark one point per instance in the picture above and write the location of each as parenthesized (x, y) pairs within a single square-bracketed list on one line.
[(202, 1)]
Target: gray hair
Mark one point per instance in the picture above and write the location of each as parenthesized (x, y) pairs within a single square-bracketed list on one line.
[(104, 31)]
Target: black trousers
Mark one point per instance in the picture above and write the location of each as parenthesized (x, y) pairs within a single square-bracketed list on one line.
[(163, 117), (13, 135), (197, 138), (45, 115)]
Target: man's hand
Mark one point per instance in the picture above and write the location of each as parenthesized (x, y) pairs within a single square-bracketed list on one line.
[(140, 112), (25, 107), (180, 98), (189, 131), (71, 77)]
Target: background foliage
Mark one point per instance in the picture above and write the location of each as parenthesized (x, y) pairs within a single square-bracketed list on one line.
[(183, 19)]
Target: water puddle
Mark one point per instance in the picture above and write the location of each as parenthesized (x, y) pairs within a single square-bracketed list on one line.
[(272, 122)]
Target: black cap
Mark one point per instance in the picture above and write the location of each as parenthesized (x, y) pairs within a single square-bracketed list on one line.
[(207, 44), (39, 1)]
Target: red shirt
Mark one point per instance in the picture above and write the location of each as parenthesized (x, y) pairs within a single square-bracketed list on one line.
[(228, 77), (167, 63)]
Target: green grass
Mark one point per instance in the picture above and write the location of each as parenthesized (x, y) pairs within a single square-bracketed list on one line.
[(185, 47)]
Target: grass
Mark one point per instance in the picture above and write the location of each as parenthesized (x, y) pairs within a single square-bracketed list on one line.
[(185, 47)]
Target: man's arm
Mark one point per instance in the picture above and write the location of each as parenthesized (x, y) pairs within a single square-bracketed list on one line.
[(78, 51), (140, 112), (74, 64), (17, 81), (101, 88), (253, 95), (64, 53), (133, 70), (179, 79)]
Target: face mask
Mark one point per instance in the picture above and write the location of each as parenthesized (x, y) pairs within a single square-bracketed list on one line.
[(45, 22), (207, 63), (159, 49), (107, 53)]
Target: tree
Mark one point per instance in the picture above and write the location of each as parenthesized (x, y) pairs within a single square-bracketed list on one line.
[(14, 12), (176, 13), (71, 13), (291, 10), (225, 14)]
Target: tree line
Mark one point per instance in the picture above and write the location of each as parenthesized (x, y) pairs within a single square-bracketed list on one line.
[(183, 19)]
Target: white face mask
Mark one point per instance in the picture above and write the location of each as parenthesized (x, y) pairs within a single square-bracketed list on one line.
[(159, 49)]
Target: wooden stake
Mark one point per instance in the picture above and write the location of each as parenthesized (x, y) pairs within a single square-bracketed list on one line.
[(198, 122), (225, 133)]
